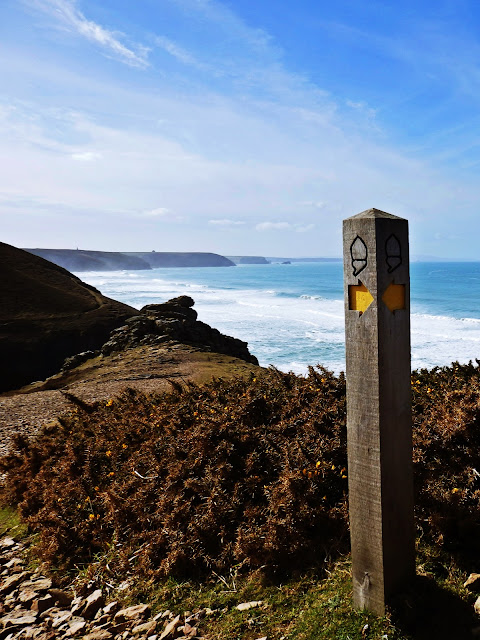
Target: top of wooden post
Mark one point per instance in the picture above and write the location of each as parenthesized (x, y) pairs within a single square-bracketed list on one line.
[(375, 213)]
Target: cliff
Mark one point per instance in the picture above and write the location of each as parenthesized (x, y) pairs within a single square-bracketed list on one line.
[(248, 259), (80, 260), (83, 260), (175, 259), (46, 315)]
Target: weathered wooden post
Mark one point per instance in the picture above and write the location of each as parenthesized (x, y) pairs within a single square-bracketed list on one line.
[(380, 467)]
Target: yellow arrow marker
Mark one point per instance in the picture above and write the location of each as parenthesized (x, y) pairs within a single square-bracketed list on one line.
[(359, 298), (394, 297)]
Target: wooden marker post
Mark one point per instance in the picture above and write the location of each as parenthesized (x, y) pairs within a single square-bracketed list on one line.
[(380, 467)]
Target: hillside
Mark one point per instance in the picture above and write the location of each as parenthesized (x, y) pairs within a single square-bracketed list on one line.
[(84, 260), (46, 315)]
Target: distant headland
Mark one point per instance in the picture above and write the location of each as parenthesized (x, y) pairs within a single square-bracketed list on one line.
[(85, 260)]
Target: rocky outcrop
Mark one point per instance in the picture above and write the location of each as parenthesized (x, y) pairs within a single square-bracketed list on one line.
[(174, 320), (46, 315)]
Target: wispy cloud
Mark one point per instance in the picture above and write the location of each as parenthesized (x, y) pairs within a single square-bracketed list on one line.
[(178, 52), (66, 12)]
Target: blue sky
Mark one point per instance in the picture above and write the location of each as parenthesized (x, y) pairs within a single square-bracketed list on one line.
[(241, 127)]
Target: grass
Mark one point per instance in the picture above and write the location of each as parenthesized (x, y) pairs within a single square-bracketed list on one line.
[(11, 524)]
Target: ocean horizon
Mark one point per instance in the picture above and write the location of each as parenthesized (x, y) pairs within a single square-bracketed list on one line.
[(292, 315)]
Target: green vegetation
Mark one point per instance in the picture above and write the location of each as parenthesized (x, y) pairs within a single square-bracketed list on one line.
[(236, 490)]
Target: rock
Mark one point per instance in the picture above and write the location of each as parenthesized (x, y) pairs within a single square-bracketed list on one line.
[(27, 596), (14, 565), (189, 631), (61, 597), (18, 618), (92, 604), (78, 359), (98, 634), (132, 613), (170, 629), (162, 615), (76, 627), (472, 583), (7, 543), (12, 582), (116, 629), (244, 606), (61, 618), (111, 608), (42, 604), (147, 628), (476, 606), (77, 605), (48, 614), (38, 584)]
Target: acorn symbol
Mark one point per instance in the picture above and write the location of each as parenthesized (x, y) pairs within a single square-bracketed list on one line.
[(393, 252), (359, 253)]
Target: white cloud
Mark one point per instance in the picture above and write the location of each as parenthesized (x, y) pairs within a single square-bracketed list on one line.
[(66, 13), (226, 223), (87, 156), (269, 226)]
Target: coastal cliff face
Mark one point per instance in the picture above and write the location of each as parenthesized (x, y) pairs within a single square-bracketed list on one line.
[(156, 259), (83, 260), (248, 259), (46, 315)]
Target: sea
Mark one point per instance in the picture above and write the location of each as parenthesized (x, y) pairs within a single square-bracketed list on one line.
[(292, 315)]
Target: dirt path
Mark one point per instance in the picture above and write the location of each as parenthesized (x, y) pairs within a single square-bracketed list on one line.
[(146, 368)]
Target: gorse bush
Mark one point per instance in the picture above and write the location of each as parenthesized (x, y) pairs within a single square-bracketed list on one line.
[(204, 478), (245, 473)]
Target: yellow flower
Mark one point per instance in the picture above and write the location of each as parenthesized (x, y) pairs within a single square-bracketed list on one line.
[(109, 402), (111, 474), (318, 464), (456, 490), (333, 467), (124, 446), (343, 476), (429, 390), (108, 454), (91, 517), (97, 488)]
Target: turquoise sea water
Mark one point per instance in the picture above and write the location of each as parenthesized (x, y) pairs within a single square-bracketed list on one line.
[(292, 315)]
